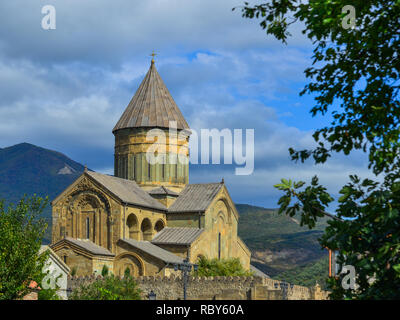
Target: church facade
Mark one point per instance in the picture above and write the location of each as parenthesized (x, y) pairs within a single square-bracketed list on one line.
[(147, 217)]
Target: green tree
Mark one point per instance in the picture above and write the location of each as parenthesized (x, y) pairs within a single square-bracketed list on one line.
[(224, 267), (355, 76), (108, 288), (21, 233)]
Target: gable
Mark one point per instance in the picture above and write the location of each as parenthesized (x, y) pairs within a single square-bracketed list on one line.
[(126, 191), (223, 195), (122, 190), (68, 190), (84, 247)]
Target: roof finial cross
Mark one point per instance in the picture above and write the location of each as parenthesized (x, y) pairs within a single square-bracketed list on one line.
[(153, 55)]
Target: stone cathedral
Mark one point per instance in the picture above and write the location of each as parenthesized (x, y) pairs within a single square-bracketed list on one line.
[(147, 217)]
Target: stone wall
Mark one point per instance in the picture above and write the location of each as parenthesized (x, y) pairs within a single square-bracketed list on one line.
[(215, 288)]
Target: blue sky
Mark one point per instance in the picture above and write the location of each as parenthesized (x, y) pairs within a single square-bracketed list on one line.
[(65, 89)]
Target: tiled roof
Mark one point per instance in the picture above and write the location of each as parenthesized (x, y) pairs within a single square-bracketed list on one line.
[(195, 197), (180, 236), (154, 251), (151, 106), (86, 245), (163, 191), (126, 190)]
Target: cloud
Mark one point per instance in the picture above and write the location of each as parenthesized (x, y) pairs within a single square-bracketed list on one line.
[(113, 31), (65, 89)]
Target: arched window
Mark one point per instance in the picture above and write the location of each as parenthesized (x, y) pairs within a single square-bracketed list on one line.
[(119, 166), (62, 232), (159, 225), (87, 228), (122, 166), (146, 228), (126, 166), (134, 167), (133, 227), (149, 171), (219, 245)]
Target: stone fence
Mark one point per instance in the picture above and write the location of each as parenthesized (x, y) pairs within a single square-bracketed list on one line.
[(214, 288)]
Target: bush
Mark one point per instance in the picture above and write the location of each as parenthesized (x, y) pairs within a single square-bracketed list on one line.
[(21, 234), (73, 271), (48, 294), (108, 288), (223, 267), (104, 271)]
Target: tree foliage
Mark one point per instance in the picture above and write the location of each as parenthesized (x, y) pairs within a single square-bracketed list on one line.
[(355, 75), (307, 275), (21, 233), (108, 288), (48, 294), (105, 271), (224, 267)]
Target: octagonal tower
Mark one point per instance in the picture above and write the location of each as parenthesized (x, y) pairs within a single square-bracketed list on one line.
[(152, 107)]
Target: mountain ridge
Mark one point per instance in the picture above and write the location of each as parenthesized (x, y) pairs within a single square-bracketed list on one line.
[(29, 169)]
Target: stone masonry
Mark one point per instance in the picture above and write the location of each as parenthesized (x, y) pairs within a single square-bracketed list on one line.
[(214, 288)]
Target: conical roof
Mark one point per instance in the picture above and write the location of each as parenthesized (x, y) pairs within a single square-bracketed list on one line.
[(151, 106)]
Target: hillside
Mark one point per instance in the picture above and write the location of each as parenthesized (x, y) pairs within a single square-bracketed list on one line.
[(277, 242), (307, 275), (28, 169), (25, 168)]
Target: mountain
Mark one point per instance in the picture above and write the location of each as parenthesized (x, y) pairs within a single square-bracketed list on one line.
[(28, 169), (280, 247), (277, 242)]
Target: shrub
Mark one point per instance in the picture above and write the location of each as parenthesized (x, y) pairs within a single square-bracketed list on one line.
[(108, 288), (73, 271), (223, 267), (104, 271), (48, 294)]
